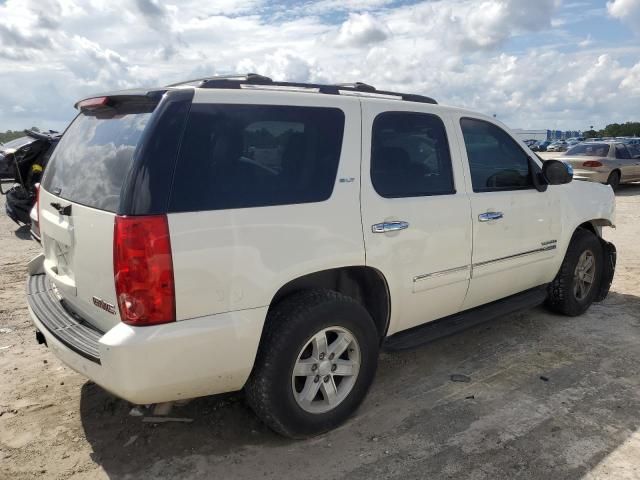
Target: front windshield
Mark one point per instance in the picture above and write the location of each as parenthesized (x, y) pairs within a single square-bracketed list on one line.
[(590, 150)]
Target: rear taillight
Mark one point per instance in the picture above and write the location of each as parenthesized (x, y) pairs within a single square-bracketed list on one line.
[(93, 103), (143, 270), (592, 163)]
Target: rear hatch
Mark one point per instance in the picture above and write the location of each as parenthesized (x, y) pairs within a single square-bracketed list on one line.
[(79, 199)]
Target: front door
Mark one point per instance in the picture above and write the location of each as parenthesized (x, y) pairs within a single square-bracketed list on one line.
[(515, 227), (415, 211)]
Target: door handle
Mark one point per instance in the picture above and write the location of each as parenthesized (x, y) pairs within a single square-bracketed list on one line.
[(487, 217), (389, 226)]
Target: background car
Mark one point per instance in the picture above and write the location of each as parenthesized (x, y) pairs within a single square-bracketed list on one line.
[(612, 163), (541, 146), (7, 151), (559, 146), (27, 158), (631, 141)]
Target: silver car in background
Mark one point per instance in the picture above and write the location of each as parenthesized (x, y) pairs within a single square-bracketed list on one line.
[(612, 163)]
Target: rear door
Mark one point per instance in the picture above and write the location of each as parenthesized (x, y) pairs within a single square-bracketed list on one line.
[(415, 210), (79, 198), (628, 165), (634, 151)]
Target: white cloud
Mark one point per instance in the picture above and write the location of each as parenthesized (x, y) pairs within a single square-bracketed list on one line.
[(630, 84), (453, 50), (281, 65), (626, 10), (362, 29)]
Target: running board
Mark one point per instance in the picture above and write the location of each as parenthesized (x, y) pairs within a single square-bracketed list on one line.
[(428, 332)]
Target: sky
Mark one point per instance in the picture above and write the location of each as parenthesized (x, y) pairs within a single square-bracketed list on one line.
[(556, 64)]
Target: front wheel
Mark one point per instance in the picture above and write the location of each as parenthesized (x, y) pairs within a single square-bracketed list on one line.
[(316, 361), (577, 283)]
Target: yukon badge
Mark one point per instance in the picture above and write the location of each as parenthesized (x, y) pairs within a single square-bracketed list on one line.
[(107, 307)]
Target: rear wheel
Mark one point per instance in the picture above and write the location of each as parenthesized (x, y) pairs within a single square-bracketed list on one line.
[(614, 179), (576, 285), (316, 361)]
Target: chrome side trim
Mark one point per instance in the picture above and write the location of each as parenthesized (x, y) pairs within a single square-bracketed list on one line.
[(440, 273), (516, 255), (549, 245)]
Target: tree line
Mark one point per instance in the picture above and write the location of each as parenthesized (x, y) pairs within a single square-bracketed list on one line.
[(628, 129)]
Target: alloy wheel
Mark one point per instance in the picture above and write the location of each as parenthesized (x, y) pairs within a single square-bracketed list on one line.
[(326, 370), (584, 275)]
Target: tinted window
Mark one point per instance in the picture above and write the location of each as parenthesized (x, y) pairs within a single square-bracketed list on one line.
[(92, 159), (496, 161), (590, 150), (622, 152), (410, 155), (236, 156)]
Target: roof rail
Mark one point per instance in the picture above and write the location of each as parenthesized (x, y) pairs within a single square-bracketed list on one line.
[(238, 81)]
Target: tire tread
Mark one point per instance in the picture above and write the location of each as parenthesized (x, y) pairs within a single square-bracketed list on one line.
[(280, 324)]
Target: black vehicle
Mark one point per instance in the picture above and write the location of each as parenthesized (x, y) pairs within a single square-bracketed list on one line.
[(23, 160)]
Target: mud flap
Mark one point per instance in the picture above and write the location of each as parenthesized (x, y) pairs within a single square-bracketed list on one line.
[(609, 250)]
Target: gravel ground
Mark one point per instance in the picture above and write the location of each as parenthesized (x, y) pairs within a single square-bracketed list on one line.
[(549, 397)]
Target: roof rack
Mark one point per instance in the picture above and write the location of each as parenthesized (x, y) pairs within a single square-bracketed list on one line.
[(253, 79)]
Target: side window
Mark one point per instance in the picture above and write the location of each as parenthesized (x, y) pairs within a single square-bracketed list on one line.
[(622, 152), (239, 156), (496, 161), (410, 155)]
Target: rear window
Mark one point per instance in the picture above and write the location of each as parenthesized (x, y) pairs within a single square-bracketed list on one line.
[(410, 155), (238, 156), (94, 156), (590, 150)]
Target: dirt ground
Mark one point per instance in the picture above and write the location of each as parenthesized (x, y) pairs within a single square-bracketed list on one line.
[(549, 397)]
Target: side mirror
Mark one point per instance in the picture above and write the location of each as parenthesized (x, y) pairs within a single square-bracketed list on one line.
[(556, 172)]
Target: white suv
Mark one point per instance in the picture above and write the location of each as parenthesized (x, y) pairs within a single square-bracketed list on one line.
[(232, 233)]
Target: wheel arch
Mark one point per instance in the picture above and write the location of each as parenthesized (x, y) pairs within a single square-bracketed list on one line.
[(366, 285), (595, 226)]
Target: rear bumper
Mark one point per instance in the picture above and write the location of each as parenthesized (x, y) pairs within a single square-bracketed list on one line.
[(174, 361), (591, 175)]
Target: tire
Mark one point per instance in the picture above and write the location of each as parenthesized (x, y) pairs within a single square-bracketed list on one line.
[(567, 294), (614, 180), (276, 396)]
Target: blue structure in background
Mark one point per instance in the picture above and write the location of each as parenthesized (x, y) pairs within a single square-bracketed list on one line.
[(562, 135)]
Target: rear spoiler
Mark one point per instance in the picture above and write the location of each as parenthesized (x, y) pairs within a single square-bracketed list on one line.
[(113, 98)]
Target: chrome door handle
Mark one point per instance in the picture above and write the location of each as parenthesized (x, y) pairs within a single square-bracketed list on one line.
[(389, 227), (486, 217)]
